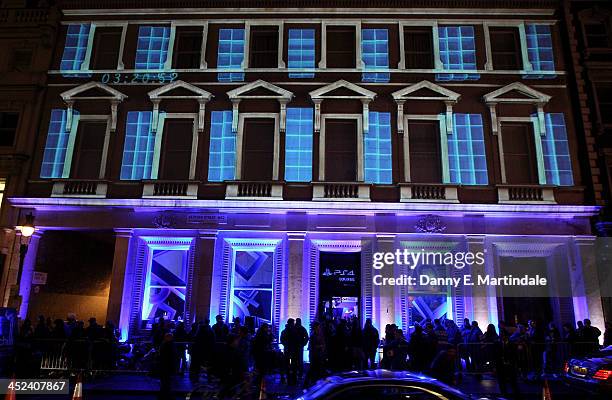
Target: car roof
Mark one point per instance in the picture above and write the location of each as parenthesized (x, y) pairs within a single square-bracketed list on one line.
[(372, 377), (346, 377)]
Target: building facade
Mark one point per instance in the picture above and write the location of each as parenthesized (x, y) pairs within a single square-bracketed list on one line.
[(27, 43), (591, 25), (249, 159)]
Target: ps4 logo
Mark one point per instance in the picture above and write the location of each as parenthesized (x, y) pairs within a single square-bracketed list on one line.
[(338, 272)]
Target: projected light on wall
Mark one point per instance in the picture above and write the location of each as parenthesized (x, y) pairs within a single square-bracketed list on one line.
[(166, 285), (253, 286)]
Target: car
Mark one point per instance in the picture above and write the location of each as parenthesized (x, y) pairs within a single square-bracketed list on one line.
[(381, 385), (592, 373)]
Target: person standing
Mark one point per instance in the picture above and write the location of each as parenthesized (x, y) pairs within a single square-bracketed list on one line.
[(317, 353), (302, 336), (168, 360), (371, 340)]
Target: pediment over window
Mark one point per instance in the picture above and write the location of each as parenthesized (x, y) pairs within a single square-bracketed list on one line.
[(180, 90), (260, 89), (516, 93), (425, 90), (342, 90), (93, 91)]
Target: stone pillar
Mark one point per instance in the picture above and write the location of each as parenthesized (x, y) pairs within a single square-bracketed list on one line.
[(203, 270), (481, 305), (120, 259), (386, 298), (587, 297), (29, 264), (297, 304)]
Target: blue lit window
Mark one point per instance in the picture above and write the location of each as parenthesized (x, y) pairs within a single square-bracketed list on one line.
[(253, 286), (166, 286), (75, 49), (152, 50), (377, 149), (375, 54), (457, 52), (301, 52), (540, 51), (56, 147), (298, 147), (555, 150), (139, 146), (230, 54), (222, 162), (467, 161)]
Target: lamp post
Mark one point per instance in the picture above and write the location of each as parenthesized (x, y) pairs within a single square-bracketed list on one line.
[(27, 230)]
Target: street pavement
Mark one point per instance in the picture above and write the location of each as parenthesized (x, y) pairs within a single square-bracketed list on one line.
[(142, 387)]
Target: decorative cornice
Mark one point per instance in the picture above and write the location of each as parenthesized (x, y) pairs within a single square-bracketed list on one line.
[(137, 4)]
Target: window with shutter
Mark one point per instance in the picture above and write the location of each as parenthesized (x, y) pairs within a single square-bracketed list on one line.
[(340, 47), (258, 149), (519, 154), (105, 52), (425, 157), (505, 48), (341, 150), (187, 47), (87, 154), (175, 157), (264, 47), (418, 48)]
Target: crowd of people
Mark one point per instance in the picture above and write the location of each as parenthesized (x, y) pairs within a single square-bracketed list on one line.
[(437, 347)]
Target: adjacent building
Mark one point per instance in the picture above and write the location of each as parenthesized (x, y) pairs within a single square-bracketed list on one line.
[(248, 159)]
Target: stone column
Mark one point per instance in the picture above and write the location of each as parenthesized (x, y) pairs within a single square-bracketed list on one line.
[(297, 304), (481, 302), (120, 259), (587, 295), (386, 298), (203, 269), (29, 263)]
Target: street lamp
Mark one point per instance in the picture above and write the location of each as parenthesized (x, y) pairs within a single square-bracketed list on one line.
[(27, 229)]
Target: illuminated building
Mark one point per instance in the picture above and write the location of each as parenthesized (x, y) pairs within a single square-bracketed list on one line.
[(239, 152)]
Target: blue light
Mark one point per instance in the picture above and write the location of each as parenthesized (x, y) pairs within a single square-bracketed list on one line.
[(139, 146), (56, 146), (555, 149), (230, 54), (301, 52), (298, 146), (540, 51), (375, 54), (377, 149), (152, 50), (222, 161), (75, 50), (457, 52), (466, 150)]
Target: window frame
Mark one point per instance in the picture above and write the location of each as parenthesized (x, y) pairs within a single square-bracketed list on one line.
[(85, 66), (16, 133), (360, 136), (443, 145), (159, 133), (350, 23), (537, 132), (240, 142)]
